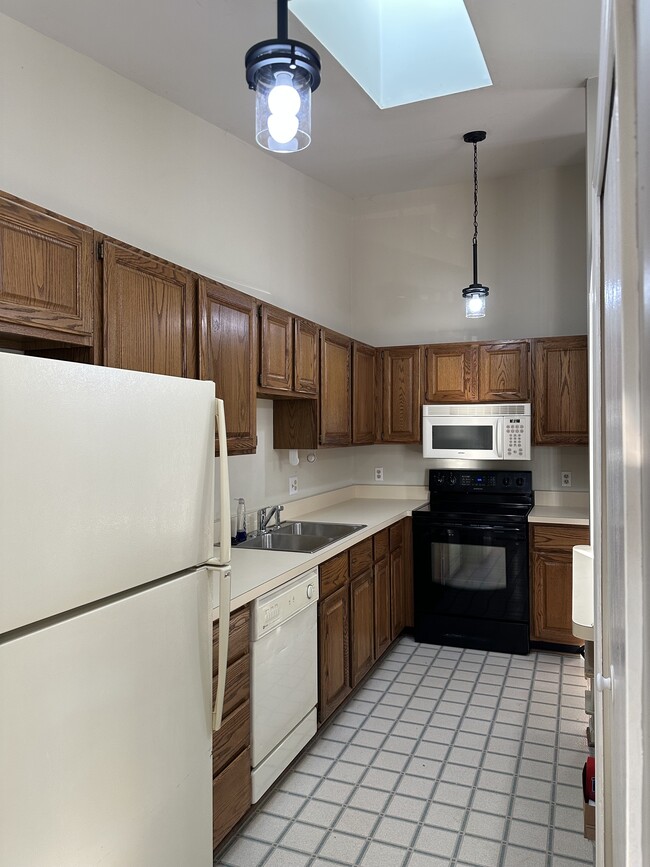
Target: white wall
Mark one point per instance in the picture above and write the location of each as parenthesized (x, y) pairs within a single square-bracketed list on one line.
[(82, 141), (413, 256)]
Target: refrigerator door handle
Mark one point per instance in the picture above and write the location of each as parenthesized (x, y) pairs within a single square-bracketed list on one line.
[(224, 515), (224, 630)]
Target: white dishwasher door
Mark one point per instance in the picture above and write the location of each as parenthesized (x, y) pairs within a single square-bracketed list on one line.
[(284, 670)]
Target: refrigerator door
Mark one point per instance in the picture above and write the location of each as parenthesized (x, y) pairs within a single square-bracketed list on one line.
[(106, 736), (107, 482)]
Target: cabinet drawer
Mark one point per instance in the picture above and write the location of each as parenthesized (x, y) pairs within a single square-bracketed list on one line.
[(233, 736), (380, 544), (547, 537), (238, 640), (360, 558), (395, 534), (231, 796), (334, 574), (237, 685)]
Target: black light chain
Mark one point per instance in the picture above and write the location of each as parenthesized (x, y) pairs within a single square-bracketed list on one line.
[(475, 193)]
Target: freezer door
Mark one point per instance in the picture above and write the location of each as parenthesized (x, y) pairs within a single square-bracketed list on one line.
[(107, 482), (105, 734)]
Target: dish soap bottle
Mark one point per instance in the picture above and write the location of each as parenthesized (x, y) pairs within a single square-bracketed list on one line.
[(240, 532)]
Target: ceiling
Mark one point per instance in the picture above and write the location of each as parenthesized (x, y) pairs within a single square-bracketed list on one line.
[(538, 52)]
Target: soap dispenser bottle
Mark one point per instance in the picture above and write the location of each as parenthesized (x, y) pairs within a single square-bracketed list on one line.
[(240, 532)]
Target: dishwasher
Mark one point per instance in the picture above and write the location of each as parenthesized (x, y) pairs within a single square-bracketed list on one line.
[(284, 677)]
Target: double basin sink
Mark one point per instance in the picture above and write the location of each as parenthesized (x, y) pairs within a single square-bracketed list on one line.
[(301, 537)]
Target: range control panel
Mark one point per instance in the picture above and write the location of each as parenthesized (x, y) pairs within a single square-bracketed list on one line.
[(478, 481)]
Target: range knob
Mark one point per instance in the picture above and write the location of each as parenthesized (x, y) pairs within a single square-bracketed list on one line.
[(440, 479), (519, 481), (453, 479), (506, 481)]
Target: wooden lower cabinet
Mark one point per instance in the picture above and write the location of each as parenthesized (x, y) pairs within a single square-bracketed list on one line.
[(551, 561), (333, 652), (365, 603), (231, 763)]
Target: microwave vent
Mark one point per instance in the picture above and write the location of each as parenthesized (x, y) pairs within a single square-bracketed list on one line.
[(473, 409)]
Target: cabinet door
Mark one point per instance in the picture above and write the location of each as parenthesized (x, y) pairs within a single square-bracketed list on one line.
[(382, 606), (398, 598), (451, 373), (46, 274), (335, 397), (333, 656), (560, 391), (276, 348), (362, 626), (149, 313), (306, 357), (551, 597), (401, 394), (364, 399), (504, 371), (228, 355)]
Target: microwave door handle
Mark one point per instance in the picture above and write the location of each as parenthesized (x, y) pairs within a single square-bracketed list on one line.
[(500, 438)]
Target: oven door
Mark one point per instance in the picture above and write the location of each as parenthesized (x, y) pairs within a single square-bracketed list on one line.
[(471, 584)]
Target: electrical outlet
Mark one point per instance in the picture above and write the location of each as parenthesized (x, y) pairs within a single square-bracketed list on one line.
[(379, 474), (566, 479), (293, 485)]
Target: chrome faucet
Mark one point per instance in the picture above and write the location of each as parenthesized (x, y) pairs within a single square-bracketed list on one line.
[(265, 515)]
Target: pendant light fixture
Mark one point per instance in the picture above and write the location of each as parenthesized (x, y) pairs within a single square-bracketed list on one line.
[(283, 73), (475, 294)]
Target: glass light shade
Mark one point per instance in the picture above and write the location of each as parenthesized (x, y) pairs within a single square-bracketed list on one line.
[(283, 108), (475, 306)]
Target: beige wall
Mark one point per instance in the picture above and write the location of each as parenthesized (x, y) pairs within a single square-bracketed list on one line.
[(84, 142)]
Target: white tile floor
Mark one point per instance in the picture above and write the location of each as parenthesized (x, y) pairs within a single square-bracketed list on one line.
[(444, 757)]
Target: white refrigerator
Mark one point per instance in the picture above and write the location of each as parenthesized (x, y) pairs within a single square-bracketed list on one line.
[(106, 524)]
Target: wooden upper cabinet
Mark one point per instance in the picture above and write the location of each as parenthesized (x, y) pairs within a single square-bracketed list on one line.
[(364, 399), (451, 373), (306, 358), (560, 404), (150, 312), (335, 382), (504, 371), (276, 348), (228, 356), (46, 274), (401, 394)]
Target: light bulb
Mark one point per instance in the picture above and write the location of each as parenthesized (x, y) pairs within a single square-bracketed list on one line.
[(283, 127), (474, 306), (283, 98)]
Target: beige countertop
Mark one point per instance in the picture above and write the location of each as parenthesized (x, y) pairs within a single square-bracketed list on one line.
[(558, 507), (257, 572)]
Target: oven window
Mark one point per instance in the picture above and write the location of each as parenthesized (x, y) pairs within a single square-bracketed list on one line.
[(469, 567), (464, 437)]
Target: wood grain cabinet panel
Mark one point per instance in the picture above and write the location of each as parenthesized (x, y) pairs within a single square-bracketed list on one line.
[(398, 597), (401, 394), (451, 373), (504, 371), (46, 274), (364, 396), (231, 796), (335, 389), (383, 635), (333, 651), (361, 558), (228, 356), (150, 312), (560, 406), (551, 581), (306, 358), (276, 348), (362, 626)]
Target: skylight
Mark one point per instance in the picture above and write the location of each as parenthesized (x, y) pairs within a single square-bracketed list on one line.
[(399, 51)]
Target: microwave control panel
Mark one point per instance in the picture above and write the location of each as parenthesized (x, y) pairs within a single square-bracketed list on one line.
[(516, 443)]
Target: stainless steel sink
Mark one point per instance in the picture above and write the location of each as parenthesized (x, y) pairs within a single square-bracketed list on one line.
[(303, 537)]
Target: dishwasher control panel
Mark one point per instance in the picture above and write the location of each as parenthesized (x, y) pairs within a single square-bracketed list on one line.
[(274, 608)]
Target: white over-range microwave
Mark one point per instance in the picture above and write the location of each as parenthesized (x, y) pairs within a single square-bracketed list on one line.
[(480, 431)]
